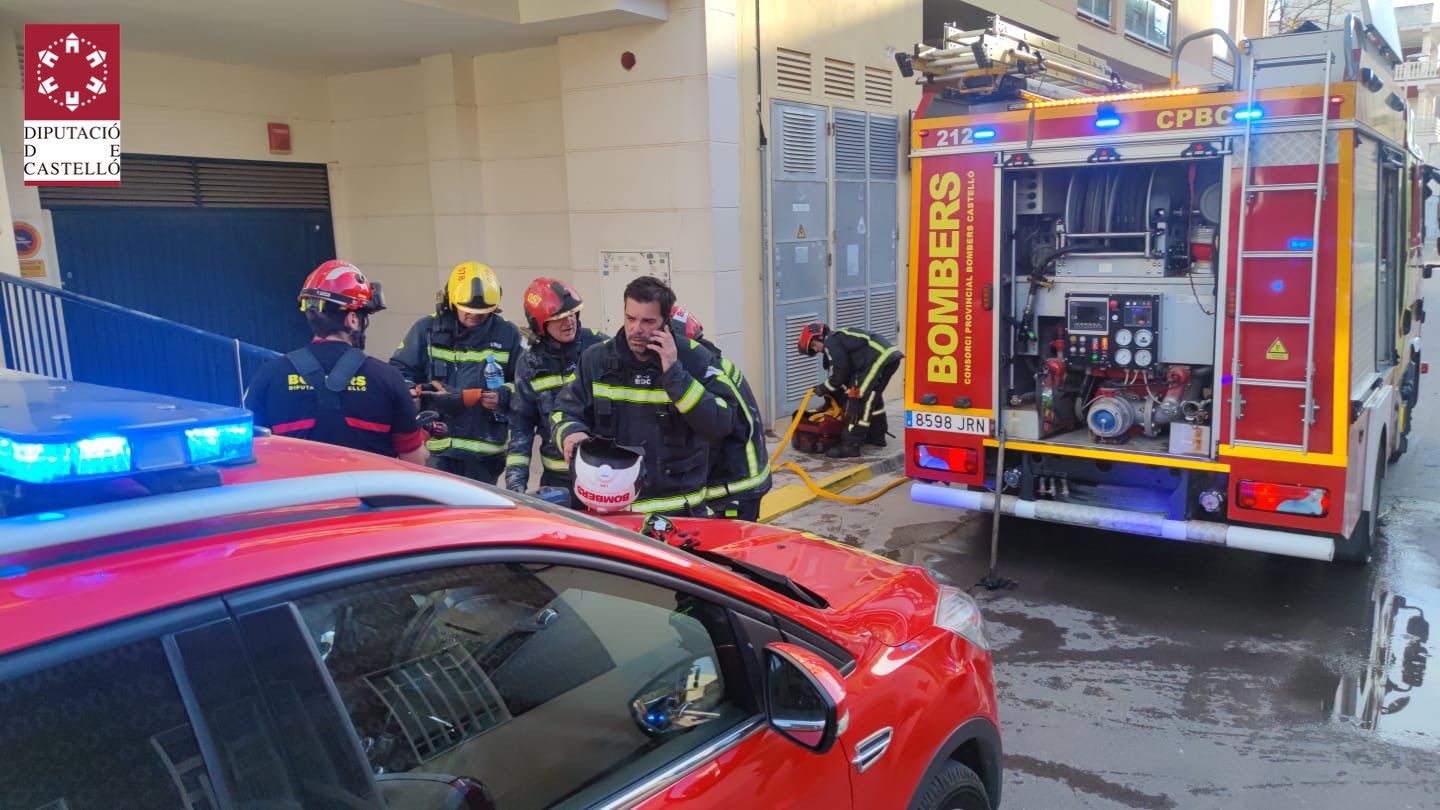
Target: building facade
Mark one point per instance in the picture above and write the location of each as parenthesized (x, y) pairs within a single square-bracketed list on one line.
[(750, 152)]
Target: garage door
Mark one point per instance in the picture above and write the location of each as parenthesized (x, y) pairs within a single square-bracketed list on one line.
[(219, 245)]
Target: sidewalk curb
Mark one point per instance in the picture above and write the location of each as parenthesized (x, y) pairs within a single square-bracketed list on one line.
[(787, 499)]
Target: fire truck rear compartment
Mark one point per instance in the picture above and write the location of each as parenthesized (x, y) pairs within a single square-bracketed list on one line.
[(1109, 287)]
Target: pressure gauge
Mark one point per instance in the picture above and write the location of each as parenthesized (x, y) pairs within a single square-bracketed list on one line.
[(1143, 339), (1123, 337), (1122, 356), (1143, 358)]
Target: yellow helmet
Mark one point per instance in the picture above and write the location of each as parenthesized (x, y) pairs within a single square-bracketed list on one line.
[(473, 288)]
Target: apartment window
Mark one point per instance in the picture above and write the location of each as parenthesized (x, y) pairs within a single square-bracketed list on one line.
[(1097, 10), (1148, 21)]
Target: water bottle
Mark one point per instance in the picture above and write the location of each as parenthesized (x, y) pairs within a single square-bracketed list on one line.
[(494, 380)]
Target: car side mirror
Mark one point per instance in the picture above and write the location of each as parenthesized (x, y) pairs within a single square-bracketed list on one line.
[(805, 696), (1430, 268), (681, 697)]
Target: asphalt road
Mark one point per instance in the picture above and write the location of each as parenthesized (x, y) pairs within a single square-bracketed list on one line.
[(1140, 673)]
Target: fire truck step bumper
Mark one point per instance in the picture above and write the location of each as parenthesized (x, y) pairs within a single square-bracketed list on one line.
[(1270, 541)]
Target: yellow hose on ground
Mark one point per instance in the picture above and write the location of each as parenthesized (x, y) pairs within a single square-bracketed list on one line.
[(804, 476)]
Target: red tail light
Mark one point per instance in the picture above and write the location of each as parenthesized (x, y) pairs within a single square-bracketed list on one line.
[(950, 459), (1285, 498)]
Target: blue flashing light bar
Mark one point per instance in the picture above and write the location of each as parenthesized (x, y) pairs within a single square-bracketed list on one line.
[(35, 462), (60, 431), (1107, 122), (984, 134), (1249, 114), (1301, 243), (220, 443), (102, 455)]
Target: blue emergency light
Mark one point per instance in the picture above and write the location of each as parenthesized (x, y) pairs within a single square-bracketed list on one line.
[(1106, 117), (983, 134), (57, 431), (1249, 114)]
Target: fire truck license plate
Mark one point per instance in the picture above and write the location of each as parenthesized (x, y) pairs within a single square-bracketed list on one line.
[(952, 423)]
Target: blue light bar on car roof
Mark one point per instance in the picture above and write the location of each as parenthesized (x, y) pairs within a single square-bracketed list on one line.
[(56, 431)]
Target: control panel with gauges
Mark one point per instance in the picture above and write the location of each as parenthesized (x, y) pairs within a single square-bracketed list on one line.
[(1112, 331)]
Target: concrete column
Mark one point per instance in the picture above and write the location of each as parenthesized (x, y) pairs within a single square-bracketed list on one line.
[(381, 197), (652, 160), (19, 201), (521, 177), (452, 139)]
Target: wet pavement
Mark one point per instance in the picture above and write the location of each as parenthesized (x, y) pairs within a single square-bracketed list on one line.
[(1140, 673)]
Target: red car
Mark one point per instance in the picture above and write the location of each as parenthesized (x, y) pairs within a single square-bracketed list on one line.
[(192, 617)]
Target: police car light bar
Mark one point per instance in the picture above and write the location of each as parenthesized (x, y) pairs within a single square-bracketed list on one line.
[(57, 431)]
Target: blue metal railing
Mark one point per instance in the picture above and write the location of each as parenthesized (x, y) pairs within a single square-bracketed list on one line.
[(49, 331)]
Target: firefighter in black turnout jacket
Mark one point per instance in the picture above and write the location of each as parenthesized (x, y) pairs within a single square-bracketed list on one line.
[(860, 365), (740, 465), (462, 362), (552, 311), (650, 389)]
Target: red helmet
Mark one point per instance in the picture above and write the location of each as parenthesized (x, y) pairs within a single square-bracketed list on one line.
[(683, 321), (547, 299), (342, 284), (815, 330)]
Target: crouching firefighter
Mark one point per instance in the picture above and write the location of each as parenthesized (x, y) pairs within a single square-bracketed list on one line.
[(461, 361), (739, 465), (552, 311), (648, 389), (860, 365)]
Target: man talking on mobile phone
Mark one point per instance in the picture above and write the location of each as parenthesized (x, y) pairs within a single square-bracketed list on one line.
[(650, 390)]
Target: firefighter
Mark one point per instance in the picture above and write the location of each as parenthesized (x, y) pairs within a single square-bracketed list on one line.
[(552, 311), (331, 391), (860, 365), (740, 465), (461, 362), (647, 388)]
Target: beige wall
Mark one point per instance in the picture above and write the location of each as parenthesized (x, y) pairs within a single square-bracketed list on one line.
[(652, 156), (521, 190), (381, 198)]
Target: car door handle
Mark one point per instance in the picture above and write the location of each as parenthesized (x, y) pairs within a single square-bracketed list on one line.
[(869, 750)]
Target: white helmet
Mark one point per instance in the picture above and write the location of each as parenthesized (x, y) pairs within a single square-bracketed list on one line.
[(607, 475)]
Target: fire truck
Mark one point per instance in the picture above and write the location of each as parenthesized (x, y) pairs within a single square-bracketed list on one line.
[(1191, 313)]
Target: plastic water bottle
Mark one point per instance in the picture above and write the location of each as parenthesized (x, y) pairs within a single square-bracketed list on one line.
[(494, 375), (494, 380)]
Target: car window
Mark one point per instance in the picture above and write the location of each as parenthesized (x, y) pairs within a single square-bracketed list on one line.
[(105, 731), (541, 683)]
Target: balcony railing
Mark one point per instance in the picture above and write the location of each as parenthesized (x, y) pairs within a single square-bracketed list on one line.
[(1418, 71)]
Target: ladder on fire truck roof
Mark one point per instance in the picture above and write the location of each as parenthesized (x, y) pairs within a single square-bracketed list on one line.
[(979, 62), (1305, 249)]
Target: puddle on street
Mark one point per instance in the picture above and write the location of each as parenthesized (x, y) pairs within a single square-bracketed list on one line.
[(1395, 696)]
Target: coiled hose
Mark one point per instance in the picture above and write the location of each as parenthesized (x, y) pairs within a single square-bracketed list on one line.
[(810, 482)]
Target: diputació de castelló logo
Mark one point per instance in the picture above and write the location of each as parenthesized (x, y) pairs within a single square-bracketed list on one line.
[(72, 105)]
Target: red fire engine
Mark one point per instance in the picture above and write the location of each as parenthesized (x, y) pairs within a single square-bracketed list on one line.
[(1190, 313)]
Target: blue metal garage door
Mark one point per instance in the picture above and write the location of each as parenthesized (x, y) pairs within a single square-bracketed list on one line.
[(219, 245)]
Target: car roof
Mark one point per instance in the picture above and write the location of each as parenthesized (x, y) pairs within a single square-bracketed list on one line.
[(179, 563)]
